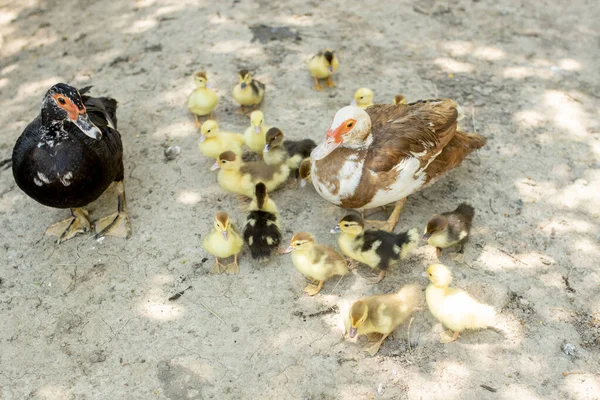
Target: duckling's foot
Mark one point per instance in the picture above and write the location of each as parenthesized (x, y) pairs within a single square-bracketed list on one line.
[(329, 82), (378, 279), (352, 264), (446, 338), (198, 124), (373, 348), (218, 268), (374, 336), (70, 227), (234, 267), (317, 86), (459, 257), (312, 290), (116, 224), (438, 252)]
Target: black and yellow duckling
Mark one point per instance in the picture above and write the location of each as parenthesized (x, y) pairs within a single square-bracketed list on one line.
[(224, 241), (377, 248), (241, 178), (316, 262), (248, 91), (378, 316), (321, 66), (291, 152), (202, 100), (304, 172), (261, 233), (363, 98), (450, 229), (69, 155)]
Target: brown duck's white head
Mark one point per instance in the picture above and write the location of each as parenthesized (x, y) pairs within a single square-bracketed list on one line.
[(351, 127)]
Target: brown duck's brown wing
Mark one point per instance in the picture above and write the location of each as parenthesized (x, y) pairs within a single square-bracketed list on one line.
[(420, 129), (461, 145)]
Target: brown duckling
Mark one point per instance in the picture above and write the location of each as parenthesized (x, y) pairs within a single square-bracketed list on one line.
[(292, 152), (304, 172), (450, 229)]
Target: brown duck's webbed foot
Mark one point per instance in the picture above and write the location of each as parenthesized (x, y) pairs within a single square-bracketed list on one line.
[(378, 279), (329, 82), (317, 84), (373, 348), (70, 227), (234, 267), (312, 290), (218, 268), (116, 224)]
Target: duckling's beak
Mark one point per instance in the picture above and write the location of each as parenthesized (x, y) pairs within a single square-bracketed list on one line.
[(209, 85), (352, 332), (87, 127), (267, 148), (336, 229), (257, 129), (202, 138), (353, 103), (302, 183), (288, 250), (330, 69), (426, 236), (243, 85), (424, 274), (225, 235), (215, 166), (323, 150)]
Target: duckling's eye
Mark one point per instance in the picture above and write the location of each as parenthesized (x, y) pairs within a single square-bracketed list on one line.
[(223, 161), (346, 225), (62, 101), (209, 131), (362, 97)]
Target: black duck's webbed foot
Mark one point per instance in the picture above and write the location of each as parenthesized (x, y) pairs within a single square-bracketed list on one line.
[(70, 227), (116, 224)]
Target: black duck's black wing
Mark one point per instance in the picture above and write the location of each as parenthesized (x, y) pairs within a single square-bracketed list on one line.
[(102, 110)]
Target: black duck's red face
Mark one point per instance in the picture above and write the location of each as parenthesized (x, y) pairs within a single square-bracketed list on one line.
[(63, 102)]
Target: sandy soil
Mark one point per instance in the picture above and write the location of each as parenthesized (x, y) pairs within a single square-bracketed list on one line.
[(92, 320)]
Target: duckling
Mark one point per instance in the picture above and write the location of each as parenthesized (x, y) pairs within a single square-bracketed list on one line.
[(454, 308), (202, 100), (316, 262), (261, 233), (254, 136), (248, 91), (377, 248), (450, 229), (304, 172), (214, 141), (321, 66), (222, 242), (292, 152), (363, 98), (378, 316), (241, 178), (399, 99)]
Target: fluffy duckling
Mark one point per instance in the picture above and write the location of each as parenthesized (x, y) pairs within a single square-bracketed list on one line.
[(378, 316), (248, 91), (214, 141), (202, 100), (261, 233), (254, 136), (316, 262), (377, 248), (454, 308), (304, 172), (292, 152), (241, 178), (222, 242), (450, 229), (363, 98), (399, 99), (321, 66)]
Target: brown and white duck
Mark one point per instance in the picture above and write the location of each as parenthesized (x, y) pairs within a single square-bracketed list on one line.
[(383, 154), (69, 155)]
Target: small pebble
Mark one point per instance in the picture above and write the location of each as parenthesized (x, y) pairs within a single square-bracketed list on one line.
[(380, 389), (524, 302), (172, 152), (568, 349)]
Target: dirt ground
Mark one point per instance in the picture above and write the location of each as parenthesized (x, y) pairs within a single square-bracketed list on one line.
[(93, 320)]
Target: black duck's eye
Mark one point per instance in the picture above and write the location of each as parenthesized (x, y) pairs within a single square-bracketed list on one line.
[(62, 101)]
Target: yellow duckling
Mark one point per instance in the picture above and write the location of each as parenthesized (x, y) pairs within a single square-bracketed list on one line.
[(241, 178), (214, 141), (321, 66), (363, 98), (399, 99), (222, 242), (254, 136), (304, 172), (202, 100), (316, 262), (454, 308), (248, 91), (378, 316)]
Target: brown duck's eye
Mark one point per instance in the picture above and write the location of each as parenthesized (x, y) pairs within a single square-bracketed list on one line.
[(350, 124), (62, 101)]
